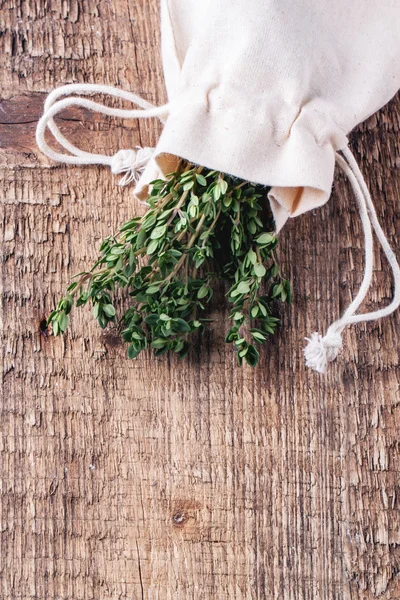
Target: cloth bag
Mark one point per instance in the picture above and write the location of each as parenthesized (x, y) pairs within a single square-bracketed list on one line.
[(266, 91)]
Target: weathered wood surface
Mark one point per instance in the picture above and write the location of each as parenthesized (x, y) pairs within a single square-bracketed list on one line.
[(161, 479)]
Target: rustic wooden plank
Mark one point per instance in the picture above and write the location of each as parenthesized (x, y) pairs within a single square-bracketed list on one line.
[(162, 479)]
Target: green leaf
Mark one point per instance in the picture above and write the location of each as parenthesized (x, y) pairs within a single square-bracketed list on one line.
[(243, 288), (259, 337), (151, 320), (252, 356), (102, 321), (254, 311), (83, 298), (179, 346), (265, 238), (152, 247), (132, 258), (269, 328), (63, 321), (252, 256), (56, 328), (232, 335), (153, 289), (159, 343), (203, 291), (201, 180), (251, 227), (129, 224), (133, 351), (217, 192), (223, 186), (136, 336), (227, 200), (277, 290), (263, 309), (117, 250), (184, 350), (109, 310), (182, 326), (141, 238), (51, 317), (259, 270), (158, 232), (238, 316)]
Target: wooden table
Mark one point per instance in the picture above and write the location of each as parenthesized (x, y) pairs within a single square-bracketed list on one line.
[(160, 479)]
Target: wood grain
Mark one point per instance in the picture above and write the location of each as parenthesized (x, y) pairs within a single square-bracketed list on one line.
[(160, 479)]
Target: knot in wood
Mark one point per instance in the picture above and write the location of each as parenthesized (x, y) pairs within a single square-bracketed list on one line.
[(179, 518)]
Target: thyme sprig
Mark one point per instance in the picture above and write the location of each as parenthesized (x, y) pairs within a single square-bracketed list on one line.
[(200, 225)]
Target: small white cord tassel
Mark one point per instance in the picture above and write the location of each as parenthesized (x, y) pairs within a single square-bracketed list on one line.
[(132, 163), (322, 350)]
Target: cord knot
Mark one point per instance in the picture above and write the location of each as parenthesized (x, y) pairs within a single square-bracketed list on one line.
[(131, 162), (322, 350)]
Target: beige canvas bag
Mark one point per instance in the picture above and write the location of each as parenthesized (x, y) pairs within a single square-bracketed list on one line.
[(266, 91)]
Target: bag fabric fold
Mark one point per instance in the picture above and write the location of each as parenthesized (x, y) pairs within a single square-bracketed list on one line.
[(268, 91)]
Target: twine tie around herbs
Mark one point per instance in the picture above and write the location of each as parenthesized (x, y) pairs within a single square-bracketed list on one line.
[(320, 350)]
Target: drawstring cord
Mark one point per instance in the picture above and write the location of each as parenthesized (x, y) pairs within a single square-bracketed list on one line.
[(131, 162), (320, 351)]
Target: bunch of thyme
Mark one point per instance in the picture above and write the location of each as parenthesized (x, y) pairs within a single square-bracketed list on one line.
[(200, 225)]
